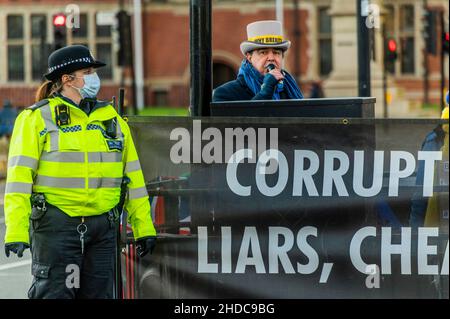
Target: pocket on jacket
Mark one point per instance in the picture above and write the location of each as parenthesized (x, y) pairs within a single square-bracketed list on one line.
[(66, 138)]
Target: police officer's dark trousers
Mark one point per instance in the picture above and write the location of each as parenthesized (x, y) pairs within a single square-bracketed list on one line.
[(59, 267)]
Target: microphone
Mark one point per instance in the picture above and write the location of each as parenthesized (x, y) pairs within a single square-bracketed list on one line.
[(270, 67)]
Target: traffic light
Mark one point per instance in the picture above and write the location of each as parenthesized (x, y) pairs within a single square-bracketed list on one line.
[(59, 31), (430, 32), (391, 50), (445, 40), (390, 54), (124, 28)]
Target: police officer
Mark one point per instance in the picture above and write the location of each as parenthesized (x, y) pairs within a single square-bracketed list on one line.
[(68, 158)]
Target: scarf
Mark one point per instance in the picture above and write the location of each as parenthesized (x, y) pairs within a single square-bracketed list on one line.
[(254, 80)]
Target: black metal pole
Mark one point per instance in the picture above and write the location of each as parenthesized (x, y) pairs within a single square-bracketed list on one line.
[(43, 48), (120, 107), (442, 55), (363, 52), (200, 57), (297, 39), (426, 84), (133, 81), (385, 105)]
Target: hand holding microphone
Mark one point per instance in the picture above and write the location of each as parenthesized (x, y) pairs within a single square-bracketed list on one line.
[(271, 68)]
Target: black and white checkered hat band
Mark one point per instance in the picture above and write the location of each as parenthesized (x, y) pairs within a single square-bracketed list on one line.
[(56, 67)]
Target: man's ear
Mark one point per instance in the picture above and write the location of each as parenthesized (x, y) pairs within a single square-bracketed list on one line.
[(248, 56)]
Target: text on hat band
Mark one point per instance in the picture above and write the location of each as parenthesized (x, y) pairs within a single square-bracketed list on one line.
[(267, 39)]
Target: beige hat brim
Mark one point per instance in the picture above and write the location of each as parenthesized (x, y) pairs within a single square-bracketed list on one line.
[(248, 46)]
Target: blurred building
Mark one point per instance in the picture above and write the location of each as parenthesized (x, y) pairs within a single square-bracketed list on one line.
[(323, 35)]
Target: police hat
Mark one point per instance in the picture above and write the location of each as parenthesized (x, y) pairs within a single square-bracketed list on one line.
[(69, 59)]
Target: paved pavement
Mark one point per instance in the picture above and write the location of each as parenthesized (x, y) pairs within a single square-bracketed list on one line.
[(15, 273)]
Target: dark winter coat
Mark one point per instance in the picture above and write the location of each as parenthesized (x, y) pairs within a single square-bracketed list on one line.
[(238, 90)]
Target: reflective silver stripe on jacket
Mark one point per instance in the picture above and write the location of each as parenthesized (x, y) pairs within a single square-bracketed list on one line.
[(132, 166), (134, 193), (104, 182), (119, 130), (17, 187), (63, 157), (24, 161), (105, 157), (72, 182), (78, 157), (60, 182), (51, 127)]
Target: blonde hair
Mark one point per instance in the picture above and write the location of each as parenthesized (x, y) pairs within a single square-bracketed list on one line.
[(47, 89)]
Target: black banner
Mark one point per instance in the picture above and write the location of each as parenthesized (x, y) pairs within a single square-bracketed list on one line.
[(295, 208)]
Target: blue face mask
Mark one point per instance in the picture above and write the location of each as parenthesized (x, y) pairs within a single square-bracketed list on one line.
[(91, 86)]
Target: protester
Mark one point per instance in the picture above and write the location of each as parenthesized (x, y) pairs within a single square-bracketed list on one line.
[(261, 76)]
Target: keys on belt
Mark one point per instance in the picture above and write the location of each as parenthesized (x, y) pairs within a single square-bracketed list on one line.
[(82, 229)]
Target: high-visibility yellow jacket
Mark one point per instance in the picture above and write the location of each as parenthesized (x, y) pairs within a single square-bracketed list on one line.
[(78, 167)]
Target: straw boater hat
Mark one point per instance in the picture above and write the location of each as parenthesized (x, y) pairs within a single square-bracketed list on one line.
[(264, 34)]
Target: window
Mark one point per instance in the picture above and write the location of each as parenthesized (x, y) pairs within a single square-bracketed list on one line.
[(407, 49), (103, 30), (407, 18), (29, 41), (80, 35), (39, 56), (15, 63), (82, 31), (15, 27), (38, 26), (389, 24), (325, 45), (15, 49), (103, 48), (104, 55), (39, 49), (406, 33)]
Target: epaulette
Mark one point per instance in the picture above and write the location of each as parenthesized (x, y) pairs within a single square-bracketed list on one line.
[(39, 104)]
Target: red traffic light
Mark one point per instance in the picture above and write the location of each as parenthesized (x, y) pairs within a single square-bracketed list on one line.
[(445, 42), (390, 53), (392, 45), (59, 20)]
